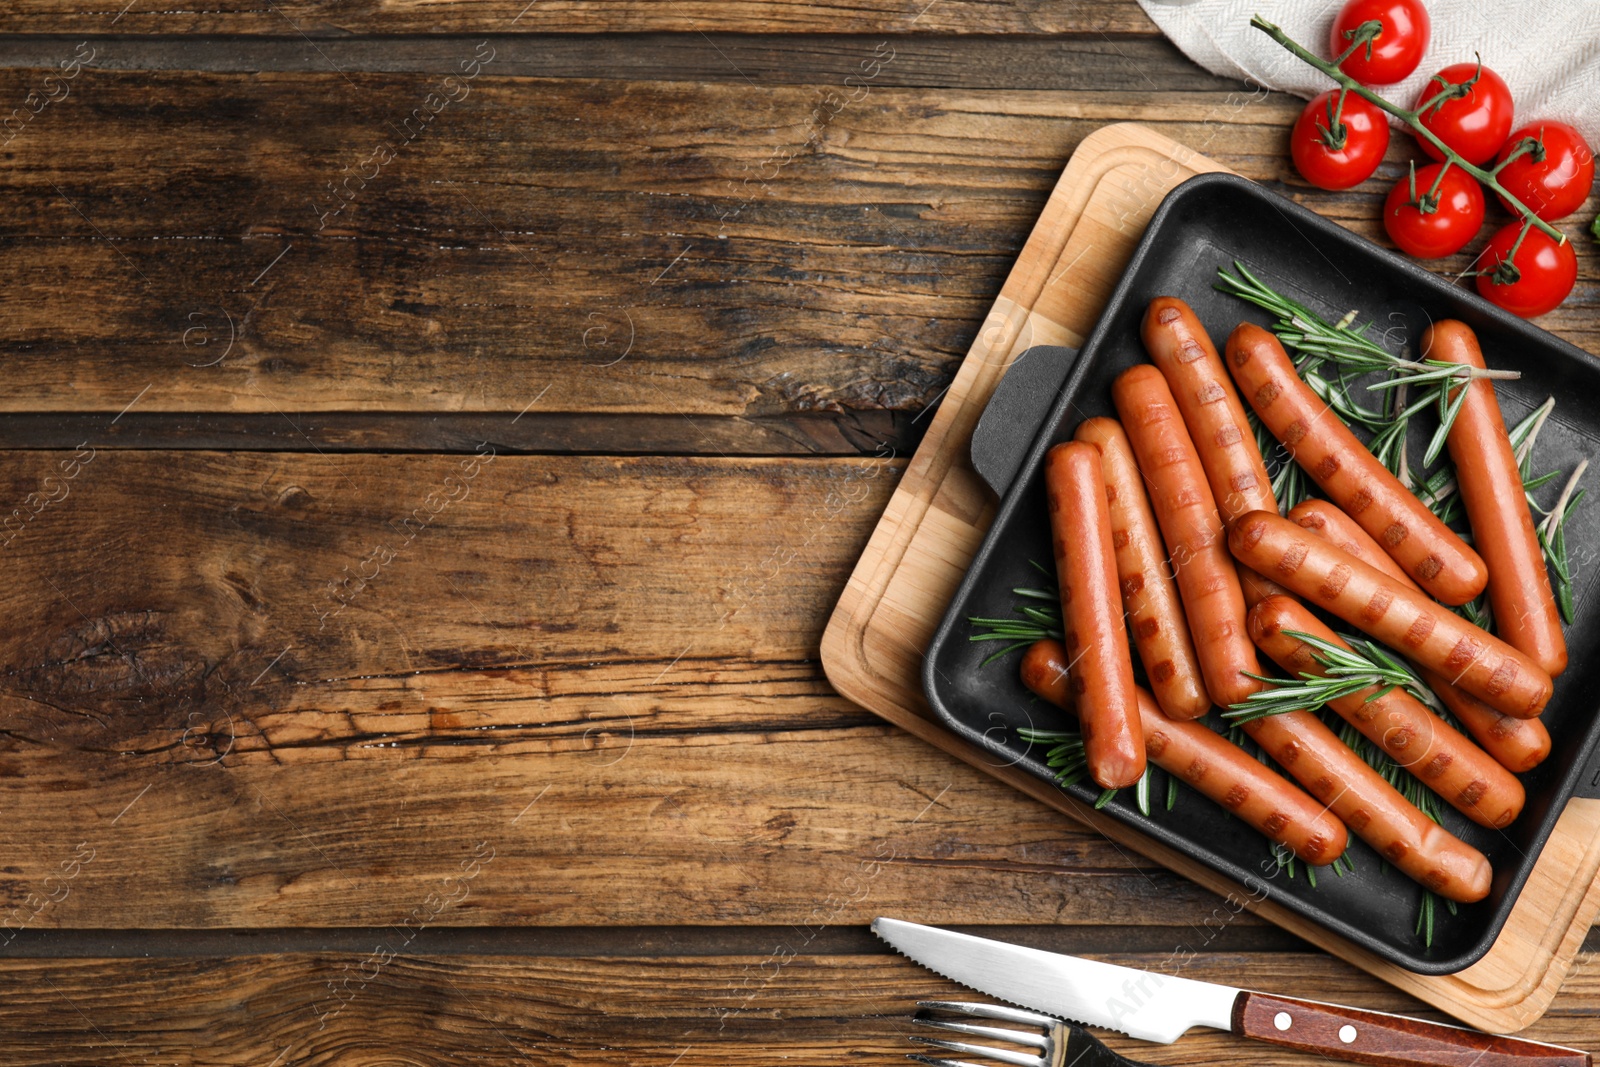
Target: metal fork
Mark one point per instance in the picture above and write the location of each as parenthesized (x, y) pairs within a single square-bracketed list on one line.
[(1056, 1043)]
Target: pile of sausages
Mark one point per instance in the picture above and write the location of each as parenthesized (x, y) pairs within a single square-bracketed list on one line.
[(1166, 516)]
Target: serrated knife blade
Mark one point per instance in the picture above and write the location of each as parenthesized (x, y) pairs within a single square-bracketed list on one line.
[(1141, 1004), (1161, 1007)]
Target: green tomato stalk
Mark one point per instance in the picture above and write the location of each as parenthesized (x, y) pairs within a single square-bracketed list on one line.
[(1413, 119)]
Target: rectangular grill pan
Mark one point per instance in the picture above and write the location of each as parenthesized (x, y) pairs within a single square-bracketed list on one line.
[(1207, 223)]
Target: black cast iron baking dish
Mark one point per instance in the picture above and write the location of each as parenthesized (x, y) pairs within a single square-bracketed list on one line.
[(1207, 223)]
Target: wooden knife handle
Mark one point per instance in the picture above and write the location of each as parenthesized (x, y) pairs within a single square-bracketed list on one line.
[(1388, 1040)]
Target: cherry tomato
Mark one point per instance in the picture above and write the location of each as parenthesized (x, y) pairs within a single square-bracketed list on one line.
[(1543, 272), (1358, 141), (1475, 124), (1554, 180), (1395, 52), (1456, 215)]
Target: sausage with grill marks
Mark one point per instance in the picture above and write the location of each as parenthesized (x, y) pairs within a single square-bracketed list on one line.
[(1490, 481), (1364, 489), (1212, 764), (1182, 350), (1373, 809), (1519, 744), (1149, 595), (1208, 580), (1397, 615), (1091, 614), (1467, 778)]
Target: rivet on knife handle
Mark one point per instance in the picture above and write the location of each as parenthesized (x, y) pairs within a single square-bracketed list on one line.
[(1388, 1040)]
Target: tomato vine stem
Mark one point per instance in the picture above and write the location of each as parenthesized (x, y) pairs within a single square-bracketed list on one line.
[(1411, 119)]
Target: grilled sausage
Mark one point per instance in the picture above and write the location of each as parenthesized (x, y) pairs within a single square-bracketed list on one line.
[(1363, 488), (1149, 596), (1207, 579), (1212, 764), (1525, 612), (1091, 614), (1414, 737), (1182, 350), (1372, 808), (1395, 614), (1519, 744)]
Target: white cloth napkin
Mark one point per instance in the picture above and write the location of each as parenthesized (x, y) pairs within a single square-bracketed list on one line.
[(1548, 51)]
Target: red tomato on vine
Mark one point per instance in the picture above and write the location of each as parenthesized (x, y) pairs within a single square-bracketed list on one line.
[(1336, 146), (1527, 274), (1552, 172), (1432, 215), (1468, 107), (1404, 28)]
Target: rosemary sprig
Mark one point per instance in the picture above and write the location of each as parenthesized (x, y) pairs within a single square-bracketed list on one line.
[(1353, 355), (1066, 757), (1030, 623), (1439, 489), (1553, 539), (1289, 863), (1425, 910), (1289, 482), (1349, 670)]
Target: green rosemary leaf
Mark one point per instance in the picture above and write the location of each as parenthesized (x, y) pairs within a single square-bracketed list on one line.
[(1364, 665), (1004, 652), (1353, 354), (1553, 539), (1447, 419), (1529, 483)]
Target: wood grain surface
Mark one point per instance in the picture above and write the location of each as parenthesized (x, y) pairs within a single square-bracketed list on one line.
[(324, 17), (699, 249), (276, 693), (368, 1010)]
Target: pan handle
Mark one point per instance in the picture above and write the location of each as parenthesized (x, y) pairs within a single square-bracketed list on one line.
[(1016, 409), (1588, 785)]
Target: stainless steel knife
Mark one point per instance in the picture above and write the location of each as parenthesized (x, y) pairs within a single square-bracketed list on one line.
[(1161, 1007)]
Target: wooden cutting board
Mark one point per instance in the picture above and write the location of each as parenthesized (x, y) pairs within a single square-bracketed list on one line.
[(872, 649)]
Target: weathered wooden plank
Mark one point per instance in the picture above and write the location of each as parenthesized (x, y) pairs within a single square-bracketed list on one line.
[(144, 583), (649, 248), (366, 1011), (818, 433), (669, 248), (277, 690), (1139, 64), (325, 17), (805, 827), (581, 942)]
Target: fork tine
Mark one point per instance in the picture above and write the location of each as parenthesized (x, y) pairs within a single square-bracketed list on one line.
[(998, 1033), (1016, 1059), (989, 1011)]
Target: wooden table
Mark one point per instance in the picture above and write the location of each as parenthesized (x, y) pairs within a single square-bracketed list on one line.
[(436, 435)]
